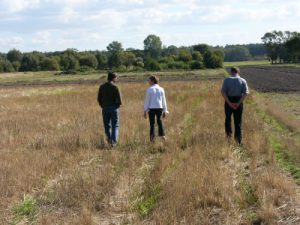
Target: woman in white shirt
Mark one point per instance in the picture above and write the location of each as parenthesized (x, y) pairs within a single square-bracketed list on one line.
[(156, 107)]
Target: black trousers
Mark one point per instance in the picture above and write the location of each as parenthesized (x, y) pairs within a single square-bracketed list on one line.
[(156, 113), (237, 116)]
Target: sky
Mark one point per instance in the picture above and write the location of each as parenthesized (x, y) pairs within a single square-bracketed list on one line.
[(54, 25)]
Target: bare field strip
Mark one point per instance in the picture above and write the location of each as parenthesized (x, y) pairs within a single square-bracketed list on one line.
[(52, 151), (272, 79)]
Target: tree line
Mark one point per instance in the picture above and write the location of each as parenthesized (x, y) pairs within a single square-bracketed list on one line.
[(234, 53), (282, 46), (154, 57)]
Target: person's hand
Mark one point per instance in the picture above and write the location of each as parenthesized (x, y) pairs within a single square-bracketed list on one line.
[(235, 105), (164, 114), (145, 115), (231, 105)]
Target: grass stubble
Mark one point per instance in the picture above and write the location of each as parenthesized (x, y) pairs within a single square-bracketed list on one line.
[(56, 169)]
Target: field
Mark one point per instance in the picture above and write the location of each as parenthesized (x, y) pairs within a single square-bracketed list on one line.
[(273, 79), (48, 78), (247, 63), (56, 168)]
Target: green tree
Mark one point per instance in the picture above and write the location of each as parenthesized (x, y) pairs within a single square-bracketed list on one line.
[(152, 64), (237, 53), (128, 59), (185, 55), (171, 50), (102, 60), (139, 62), (275, 44), (202, 48), (153, 46), (115, 50), (213, 60), (197, 65), (30, 62), (68, 62), (197, 56), (14, 56), (49, 64), (89, 60), (293, 48), (6, 66)]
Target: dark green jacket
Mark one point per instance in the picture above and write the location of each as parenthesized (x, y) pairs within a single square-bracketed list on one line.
[(109, 95)]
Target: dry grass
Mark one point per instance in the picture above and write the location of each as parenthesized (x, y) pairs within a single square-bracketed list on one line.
[(52, 148)]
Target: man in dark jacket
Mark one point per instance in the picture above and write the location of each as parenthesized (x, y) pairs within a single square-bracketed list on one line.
[(109, 98)]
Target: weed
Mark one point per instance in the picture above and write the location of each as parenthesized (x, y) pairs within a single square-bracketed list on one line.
[(26, 209)]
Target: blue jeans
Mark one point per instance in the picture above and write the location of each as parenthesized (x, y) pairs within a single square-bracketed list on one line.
[(111, 123)]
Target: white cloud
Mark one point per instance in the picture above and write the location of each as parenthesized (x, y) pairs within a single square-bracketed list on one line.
[(42, 37), (59, 24), (18, 5), (11, 42)]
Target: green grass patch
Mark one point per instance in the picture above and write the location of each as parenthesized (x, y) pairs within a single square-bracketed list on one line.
[(284, 157), (26, 210), (247, 63), (146, 204)]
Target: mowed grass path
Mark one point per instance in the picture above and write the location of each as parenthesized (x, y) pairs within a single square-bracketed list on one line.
[(52, 151)]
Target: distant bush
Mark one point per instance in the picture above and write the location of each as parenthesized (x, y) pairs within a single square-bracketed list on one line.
[(49, 64), (6, 66), (197, 65), (178, 65)]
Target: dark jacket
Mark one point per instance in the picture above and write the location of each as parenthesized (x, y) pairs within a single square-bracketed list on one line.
[(109, 95)]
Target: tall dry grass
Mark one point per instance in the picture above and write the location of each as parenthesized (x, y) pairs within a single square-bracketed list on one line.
[(52, 148)]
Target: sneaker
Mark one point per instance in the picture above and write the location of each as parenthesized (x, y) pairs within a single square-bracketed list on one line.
[(113, 145)]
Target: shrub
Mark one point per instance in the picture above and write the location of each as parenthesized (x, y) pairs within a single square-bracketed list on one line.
[(196, 65)]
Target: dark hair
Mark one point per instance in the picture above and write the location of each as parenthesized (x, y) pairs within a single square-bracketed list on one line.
[(235, 70), (111, 76), (154, 79)]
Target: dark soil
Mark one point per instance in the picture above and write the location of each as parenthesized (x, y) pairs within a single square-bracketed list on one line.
[(272, 79)]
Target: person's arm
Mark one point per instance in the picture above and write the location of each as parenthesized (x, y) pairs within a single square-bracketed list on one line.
[(224, 94), (227, 100), (245, 91), (118, 97), (146, 103), (164, 104), (242, 99), (99, 99)]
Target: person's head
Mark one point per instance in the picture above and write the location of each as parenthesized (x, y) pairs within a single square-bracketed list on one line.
[(112, 77), (153, 80), (234, 70)]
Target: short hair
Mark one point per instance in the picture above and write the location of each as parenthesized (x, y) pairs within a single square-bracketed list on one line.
[(111, 76), (235, 69), (154, 79)]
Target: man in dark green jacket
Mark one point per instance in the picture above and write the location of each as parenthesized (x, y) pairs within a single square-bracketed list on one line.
[(109, 99)]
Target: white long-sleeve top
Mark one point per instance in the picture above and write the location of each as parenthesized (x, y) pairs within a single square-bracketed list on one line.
[(155, 98)]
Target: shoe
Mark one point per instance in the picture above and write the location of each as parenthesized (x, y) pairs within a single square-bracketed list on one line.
[(113, 145)]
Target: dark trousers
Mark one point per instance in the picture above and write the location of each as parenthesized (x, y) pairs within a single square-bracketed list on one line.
[(156, 113), (111, 123), (237, 116)]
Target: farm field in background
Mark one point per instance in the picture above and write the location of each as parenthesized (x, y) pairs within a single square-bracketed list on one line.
[(247, 63), (272, 79), (58, 170), (43, 78)]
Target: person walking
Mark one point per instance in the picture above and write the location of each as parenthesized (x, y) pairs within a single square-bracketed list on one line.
[(155, 106), (234, 91), (109, 99)]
